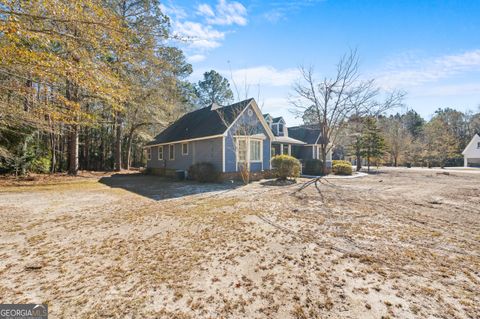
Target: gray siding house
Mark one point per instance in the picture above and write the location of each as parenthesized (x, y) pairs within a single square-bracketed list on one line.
[(225, 136), (228, 137)]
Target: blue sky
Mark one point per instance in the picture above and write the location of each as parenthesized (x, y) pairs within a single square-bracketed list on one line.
[(430, 49)]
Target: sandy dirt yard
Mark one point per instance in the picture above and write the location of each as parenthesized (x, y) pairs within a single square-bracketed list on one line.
[(398, 244)]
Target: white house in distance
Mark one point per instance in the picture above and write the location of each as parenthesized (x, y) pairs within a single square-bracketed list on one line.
[(471, 154)]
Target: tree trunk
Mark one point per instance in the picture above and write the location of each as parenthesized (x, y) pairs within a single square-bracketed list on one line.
[(73, 150), (129, 147), (118, 143), (86, 149), (324, 161), (53, 142), (26, 108), (71, 94)]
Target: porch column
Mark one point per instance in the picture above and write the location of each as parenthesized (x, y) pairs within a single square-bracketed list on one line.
[(465, 161), (281, 149), (289, 150)]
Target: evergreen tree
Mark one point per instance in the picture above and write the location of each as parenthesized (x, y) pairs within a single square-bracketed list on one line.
[(214, 88), (372, 143)]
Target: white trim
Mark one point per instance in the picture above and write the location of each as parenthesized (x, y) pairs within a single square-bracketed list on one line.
[(183, 141), (170, 158), (158, 153), (253, 137), (247, 145), (223, 154), (185, 154), (259, 116), (149, 154), (270, 152)]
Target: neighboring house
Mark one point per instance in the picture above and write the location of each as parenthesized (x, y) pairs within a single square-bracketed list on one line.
[(471, 154), (228, 137), (224, 136)]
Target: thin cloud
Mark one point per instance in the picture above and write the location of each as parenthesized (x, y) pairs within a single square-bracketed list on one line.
[(225, 13), (408, 71), (205, 10), (199, 29), (198, 35), (196, 58), (280, 10), (264, 75)]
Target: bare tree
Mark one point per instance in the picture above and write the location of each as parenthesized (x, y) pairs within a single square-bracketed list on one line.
[(332, 101)]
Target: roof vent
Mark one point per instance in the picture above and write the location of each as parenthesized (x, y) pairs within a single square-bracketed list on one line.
[(215, 106)]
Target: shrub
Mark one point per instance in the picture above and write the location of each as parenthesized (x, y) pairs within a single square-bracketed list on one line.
[(313, 167), (203, 172), (286, 166), (334, 162), (342, 168), (40, 165)]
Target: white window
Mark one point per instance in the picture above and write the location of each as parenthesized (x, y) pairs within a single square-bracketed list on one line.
[(185, 149), (171, 151), (160, 153), (478, 145), (255, 150), (249, 149), (242, 150), (149, 153)]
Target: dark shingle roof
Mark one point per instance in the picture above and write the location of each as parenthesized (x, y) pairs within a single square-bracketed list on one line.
[(276, 119), (304, 134), (200, 123)]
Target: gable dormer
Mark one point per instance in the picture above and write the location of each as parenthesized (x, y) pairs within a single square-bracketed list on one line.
[(279, 126)]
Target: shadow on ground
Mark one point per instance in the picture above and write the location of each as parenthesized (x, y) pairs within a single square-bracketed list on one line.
[(160, 188)]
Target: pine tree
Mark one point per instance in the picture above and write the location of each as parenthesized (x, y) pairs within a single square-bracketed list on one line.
[(372, 143)]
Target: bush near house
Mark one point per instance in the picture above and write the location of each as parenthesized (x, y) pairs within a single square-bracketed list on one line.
[(342, 167), (313, 167), (204, 172), (286, 166), (334, 162)]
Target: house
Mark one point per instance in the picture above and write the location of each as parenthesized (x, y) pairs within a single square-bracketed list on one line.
[(224, 136), (471, 154), (228, 137)]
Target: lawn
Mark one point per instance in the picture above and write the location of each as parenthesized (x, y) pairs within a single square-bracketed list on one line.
[(398, 244)]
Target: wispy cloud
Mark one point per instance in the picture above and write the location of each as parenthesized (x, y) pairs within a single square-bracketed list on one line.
[(279, 10), (202, 30), (196, 58), (461, 89), (409, 71), (264, 75), (198, 35), (225, 13)]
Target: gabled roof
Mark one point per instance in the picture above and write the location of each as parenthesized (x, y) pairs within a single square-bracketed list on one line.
[(201, 123), (304, 134), (471, 144), (277, 119)]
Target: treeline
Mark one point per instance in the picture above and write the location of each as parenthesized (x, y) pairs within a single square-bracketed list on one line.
[(408, 139), (83, 84)]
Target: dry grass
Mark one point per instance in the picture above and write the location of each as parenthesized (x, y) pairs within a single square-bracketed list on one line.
[(396, 245)]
